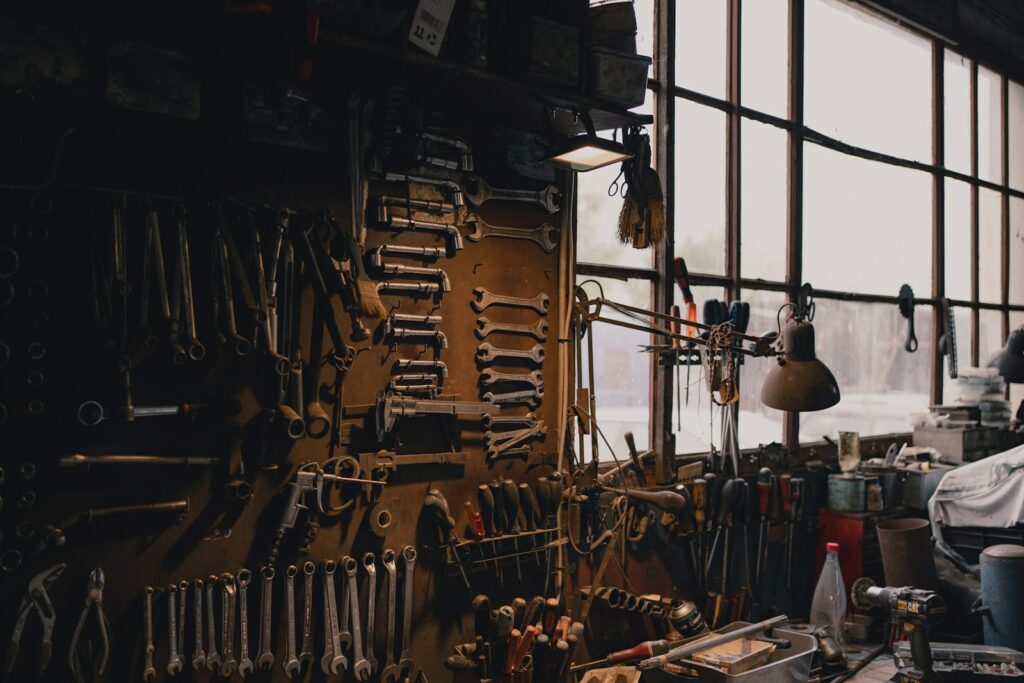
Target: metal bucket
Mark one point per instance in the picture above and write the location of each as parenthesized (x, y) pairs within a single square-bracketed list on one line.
[(892, 487), (846, 492), (1002, 593), (907, 559)]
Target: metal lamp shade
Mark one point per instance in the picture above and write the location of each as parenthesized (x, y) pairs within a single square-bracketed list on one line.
[(800, 382), (1010, 361)]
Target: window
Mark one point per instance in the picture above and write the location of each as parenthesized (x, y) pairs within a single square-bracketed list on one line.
[(758, 424), (764, 56), (763, 203), (700, 45), (958, 240), (700, 187), (957, 111)]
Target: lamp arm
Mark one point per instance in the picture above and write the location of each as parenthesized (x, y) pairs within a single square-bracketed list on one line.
[(762, 349)]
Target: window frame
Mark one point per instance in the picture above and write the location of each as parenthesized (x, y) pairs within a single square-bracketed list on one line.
[(666, 92)]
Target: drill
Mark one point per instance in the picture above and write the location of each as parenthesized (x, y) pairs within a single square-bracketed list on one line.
[(916, 610)]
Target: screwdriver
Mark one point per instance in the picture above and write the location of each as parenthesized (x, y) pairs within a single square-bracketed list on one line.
[(796, 503), (474, 520), (544, 502), (764, 494), (683, 280), (487, 513), (677, 345), (710, 512), (437, 507), (670, 501), (510, 496), (699, 501), (648, 648), (499, 507), (739, 518), (530, 515)]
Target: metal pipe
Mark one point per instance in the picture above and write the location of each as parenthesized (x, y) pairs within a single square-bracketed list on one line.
[(709, 642), (79, 459)]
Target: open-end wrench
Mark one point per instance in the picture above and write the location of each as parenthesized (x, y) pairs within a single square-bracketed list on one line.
[(486, 326), (489, 377), (153, 254), (198, 655), (149, 672), (228, 600), (182, 613), (360, 665), (175, 661), (370, 565), (545, 235), (477, 191), (514, 443), (291, 664), (531, 398), (486, 353), (265, 659), (484, 299), (491, 421), (212, 656), (406, 665), (241, 345), (389, 674), (195, 349), (245, 663), (333, 660), (306, 654), (497, 438)]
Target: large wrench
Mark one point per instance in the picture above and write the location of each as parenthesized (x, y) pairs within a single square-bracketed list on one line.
[(291, 664), (489, 377), (360, 665), (265, 659), (306, 654), (477, 191), (485, 299), (199, 655), (406, 665), (545, 234), (486, 326), (212, 656), (228, 600), (332, 660), (174, 660), (486, 353), (370, 565), (245, 664), (390, 672), (149, 672)]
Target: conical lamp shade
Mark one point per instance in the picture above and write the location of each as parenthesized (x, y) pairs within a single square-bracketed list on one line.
[(1010, 361), (800, 382)]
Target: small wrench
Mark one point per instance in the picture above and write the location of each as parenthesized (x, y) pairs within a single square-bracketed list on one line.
[(389, 674), (477, 191), (199, 656), (175, 661), (245, 664), (227, 632), (545, 234), (265, 659), (306, 654), (530, 398), (291, 664), (485, 326), (370, 565), (498, 438), (149, 672), (212, 657), (360, 665), (485, 299), (406, 665), (489, 377), (491, 421), (333, 660), (486, 353)]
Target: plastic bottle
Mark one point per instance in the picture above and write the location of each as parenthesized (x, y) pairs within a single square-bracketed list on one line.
[(828, 608)]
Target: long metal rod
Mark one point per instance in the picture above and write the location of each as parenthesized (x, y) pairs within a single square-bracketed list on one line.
[(709, 642), (938, 214), (974, 212)]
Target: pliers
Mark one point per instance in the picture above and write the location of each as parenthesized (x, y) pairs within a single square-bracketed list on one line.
[(38, 599), (93, 596)]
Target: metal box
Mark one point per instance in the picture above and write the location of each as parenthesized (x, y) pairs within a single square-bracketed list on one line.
[(918, 485), (960, 445), (618, 77)]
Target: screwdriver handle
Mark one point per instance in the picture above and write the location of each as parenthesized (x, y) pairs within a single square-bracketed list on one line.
[(510, 494), (699, 500), (529, 505), (764, 490), (437, 509), (486, 508), (797, 492), (786, 491), (498, 494), (649, 648), (727, 503), (711, 496), (474, 519), (544, 501), (534, 611), (691, 315)]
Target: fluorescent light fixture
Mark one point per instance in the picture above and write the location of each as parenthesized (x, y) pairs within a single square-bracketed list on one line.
[(586, 152)]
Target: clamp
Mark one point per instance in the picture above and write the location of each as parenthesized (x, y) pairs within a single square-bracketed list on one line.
[(93, 596), (38, 599)]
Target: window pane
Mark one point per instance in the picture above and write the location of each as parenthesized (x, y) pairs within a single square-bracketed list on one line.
[(958, 240), (763, 202), (1016, 390), (990, 132), (758, 423), (700, 421), (990, 335), (867, 81), (700, 187), (764, 56), (644, 10), (598, 215), (700, 46), (621, 371), (1016, 142), (962, 320), (990, 245), (1016, 250), (957, 112), (867, 225), (880, 383)]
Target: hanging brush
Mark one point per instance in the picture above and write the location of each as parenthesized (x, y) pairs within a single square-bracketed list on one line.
[(642, 217)]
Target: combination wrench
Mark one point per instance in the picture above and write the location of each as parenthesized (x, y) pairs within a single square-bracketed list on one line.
[(195, 349), (228, 599), (306, 654), (212, 656), (486, 326), (370, 565), (544, 235), (245, 663), (360, 665), (477, 192), (487, 353), (333, 661), (489, 377), (497, 438), (175, 661), (406, 665), (291, 664), (199, 655), (149, 672), (182, 610), (389, 674), (265, 659), (485, 299)]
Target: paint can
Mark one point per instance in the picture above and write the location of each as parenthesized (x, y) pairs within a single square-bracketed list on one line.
[(846, 492)]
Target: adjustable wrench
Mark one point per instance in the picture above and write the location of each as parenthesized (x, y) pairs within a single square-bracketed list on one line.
[(291, 664), (174, 660), (389, 674), (306, 654), (360, 665), (212, 656), (486, 353), (245, 664), (199, 655), (333, 660), (489, 377), (406, 665), (228, 600), (370, 565), (265, 659), (484, 299), (485, 326), (545, 234), (149, 672), (477, 191), (531, 398)]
